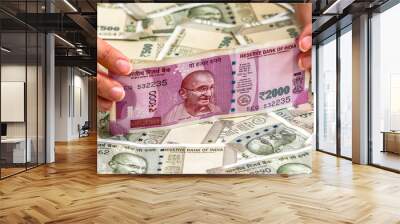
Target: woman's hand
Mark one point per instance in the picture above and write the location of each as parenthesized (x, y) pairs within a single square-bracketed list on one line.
[(109, 90), (303, 13)]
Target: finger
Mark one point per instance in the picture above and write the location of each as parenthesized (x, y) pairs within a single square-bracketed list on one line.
[(305, 60), (305, 38), (303, 13), (112, 59), (103, 104), (109, 89)]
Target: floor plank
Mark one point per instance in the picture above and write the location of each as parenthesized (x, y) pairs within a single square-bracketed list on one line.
[(70, 191)]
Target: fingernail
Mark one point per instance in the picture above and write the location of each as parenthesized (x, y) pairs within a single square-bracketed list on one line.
[(305, 43), (124, 66), (117, 93)]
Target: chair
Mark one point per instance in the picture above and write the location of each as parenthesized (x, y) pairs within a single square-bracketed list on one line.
[(84, 130)]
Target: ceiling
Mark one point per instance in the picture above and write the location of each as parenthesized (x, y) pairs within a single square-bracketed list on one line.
[(332, 15), (22, 21)]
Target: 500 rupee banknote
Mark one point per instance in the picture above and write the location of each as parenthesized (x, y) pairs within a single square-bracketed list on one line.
[(262, 135), (288, 163), (122, 157)]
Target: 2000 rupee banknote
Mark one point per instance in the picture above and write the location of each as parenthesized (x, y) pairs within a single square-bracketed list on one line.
[(218, 83)]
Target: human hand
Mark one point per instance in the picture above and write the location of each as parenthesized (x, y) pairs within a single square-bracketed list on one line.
[(109, 90), (303, 13)]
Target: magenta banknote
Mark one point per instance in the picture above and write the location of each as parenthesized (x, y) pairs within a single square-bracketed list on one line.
[(220, 83)]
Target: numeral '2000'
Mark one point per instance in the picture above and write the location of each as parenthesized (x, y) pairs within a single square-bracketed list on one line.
[(269, 94)]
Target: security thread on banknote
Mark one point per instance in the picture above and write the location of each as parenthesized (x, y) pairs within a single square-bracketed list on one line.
[(246, 79)]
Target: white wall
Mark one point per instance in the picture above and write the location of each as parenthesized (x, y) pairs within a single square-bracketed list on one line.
[(61, 103), (71, 94), (80, 109), (33, 127), (12, 73)]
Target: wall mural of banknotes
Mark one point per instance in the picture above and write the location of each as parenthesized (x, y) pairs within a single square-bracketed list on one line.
[(216, 89)]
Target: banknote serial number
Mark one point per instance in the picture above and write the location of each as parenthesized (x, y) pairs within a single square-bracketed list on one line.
[(108, 28), (273, 103), (103, 151), (152, 84), (277, 102), (273, 93)]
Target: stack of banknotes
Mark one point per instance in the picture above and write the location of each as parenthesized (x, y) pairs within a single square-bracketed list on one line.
[(216, 90)]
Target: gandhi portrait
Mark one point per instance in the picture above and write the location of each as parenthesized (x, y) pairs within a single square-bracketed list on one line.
[(208, 12), (293, 169), (128, 163), (271, 142), (197, 93)]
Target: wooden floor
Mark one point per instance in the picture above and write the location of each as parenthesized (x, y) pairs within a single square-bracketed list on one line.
[(11, 170), (70, 191), (386, 159)]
